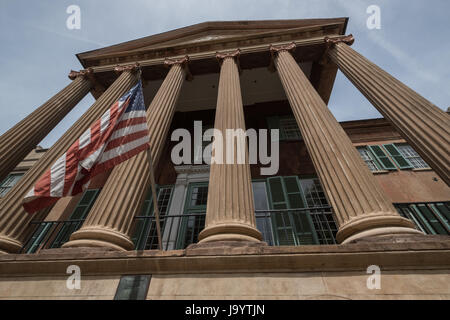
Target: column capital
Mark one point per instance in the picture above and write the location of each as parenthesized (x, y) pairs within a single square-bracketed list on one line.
[(131, 67), (231, 54), (329, 43), (183, 62), (221, 56), (275, 50), (348, 40), (284, 47), (87, 73)]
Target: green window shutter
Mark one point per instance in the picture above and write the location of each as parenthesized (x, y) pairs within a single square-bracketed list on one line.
[(304, 227), (294, 193), (382, 158), (85, 204), (438, 228), (80, 213), (443, 210), (441, 215), (291, 228), (424, 221), (406, 212), (402, 162), (284, 231), (277, 193), (142, 226)]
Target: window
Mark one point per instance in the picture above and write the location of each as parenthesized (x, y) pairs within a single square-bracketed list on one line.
[(263, 224), (133, 287), (287, 125), (291, 226), (383, 159), (193, 220), (430, 218), (395, 154), (412, 156), (145, 236), (321, 212), (391, 157), (288, 211), (369, 159), (9, 182), (44, 233)]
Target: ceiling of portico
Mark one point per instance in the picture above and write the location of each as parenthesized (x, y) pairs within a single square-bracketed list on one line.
[(257, 85), (205, 39)]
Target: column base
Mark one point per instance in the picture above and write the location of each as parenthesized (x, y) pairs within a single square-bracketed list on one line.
[(9, 245), (375, 225), (230, 232), (395, 236), (100, 237)]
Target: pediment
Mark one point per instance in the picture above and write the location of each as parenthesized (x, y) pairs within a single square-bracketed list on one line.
[(193, 37)]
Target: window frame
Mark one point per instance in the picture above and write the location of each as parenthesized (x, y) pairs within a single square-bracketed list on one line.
[(58, 239), (274, 122), (189, 209), (396, 145), (373, 158), (143, 228), (5, 189), (380, 158), (290, 217), (394, 157)]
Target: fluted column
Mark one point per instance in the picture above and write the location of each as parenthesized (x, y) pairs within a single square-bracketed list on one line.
[(360, 205), (13, 218), (230, 214), (423, 125), (18, 141), (110, 220)]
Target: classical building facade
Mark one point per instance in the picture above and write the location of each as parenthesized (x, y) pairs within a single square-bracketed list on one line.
[(346, 197)]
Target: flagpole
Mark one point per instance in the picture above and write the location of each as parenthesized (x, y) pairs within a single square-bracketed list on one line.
[(155, 198)]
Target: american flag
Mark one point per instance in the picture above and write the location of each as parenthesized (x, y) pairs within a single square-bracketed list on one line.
[(118, 135)]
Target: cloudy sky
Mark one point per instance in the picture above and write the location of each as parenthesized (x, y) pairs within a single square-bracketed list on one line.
[(37, 50)]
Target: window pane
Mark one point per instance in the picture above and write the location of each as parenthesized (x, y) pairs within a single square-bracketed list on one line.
[(276, 190), (414, 158), (260, 195), (291, 185), (368, 159), (428, 217), (296, 201), (9, 182), (382, 158), (199, 196), (290, 128), (398, 158), (87, 197)]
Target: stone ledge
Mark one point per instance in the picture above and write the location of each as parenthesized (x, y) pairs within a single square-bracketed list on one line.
[(426, 255)]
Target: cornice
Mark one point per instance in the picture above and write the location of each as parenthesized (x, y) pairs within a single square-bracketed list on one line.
[(188, 169), (424, 255), (265, 29)]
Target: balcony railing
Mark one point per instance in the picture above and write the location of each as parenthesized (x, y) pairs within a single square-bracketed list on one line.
[(278, 227), (50, 234)]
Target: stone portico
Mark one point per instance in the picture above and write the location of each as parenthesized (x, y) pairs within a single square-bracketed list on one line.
[(224, 66)]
